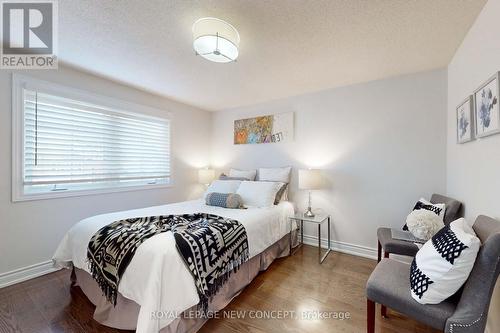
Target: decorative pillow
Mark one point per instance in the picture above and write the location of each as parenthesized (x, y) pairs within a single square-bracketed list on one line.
[(248, 174), (259, 194), (444, 263), (280, 193), (226, 200), (276, 175), (223, 186), (423, 223), (438, 209), (224, 177)]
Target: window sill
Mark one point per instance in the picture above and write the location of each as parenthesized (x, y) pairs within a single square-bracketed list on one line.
[(19, 197)]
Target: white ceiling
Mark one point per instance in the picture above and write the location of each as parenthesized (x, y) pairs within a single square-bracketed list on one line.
[(288, 47)]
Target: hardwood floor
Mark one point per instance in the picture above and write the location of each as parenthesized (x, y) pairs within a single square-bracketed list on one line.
[(296, 284)]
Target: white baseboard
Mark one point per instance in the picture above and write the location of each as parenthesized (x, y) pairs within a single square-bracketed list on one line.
[(26, 273), (357, 250)]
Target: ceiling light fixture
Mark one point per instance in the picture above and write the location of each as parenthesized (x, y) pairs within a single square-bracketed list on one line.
[(215, 40)]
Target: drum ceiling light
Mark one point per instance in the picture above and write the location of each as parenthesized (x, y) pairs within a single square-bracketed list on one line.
[(215, 40)]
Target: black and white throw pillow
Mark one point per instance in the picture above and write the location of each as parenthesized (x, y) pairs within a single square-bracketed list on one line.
[(439, 209), (444, 263)]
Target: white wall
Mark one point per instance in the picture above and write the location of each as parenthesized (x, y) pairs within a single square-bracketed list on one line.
[(30, 231), (382, 145), (473, 169)]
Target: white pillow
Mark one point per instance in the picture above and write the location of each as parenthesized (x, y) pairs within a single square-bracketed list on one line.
[(223, 186), (248, 174), (444, 263), (258, 194), (423, 224), (276, 175), (438, 209)]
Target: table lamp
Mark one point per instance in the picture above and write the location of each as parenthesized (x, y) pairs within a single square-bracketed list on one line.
[(205, 176), (310, 179)]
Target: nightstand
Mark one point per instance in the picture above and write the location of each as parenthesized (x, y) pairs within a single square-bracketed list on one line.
[(318, 219)]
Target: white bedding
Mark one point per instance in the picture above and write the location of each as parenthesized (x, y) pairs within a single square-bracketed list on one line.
[(156, 277)]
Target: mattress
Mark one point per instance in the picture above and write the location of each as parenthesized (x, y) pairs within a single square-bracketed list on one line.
[(156, 278)]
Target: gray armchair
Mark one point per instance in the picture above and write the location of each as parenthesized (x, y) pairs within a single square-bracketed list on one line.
[(465, 312), (391, 245)]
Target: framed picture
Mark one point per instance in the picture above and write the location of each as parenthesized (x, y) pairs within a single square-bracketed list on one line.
[(465, 116), (486, 107), (264, 129)]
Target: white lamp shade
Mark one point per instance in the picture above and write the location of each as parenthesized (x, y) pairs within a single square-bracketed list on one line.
[(205, 176), (310, 179), (215, 40)]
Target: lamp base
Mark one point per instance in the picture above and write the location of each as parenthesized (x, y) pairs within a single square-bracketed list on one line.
[(309, 212)]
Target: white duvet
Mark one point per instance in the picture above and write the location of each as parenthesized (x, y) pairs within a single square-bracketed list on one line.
[(156, 277)]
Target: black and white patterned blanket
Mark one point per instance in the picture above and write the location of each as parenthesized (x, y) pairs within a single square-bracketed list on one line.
[(212, 247)]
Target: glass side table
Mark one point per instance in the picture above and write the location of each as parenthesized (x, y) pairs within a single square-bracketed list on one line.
[(318, 219)]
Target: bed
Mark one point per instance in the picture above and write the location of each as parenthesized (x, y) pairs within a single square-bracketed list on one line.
[(156, 287)]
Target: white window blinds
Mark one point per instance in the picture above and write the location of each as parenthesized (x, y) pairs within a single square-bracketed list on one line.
[(70, 144)]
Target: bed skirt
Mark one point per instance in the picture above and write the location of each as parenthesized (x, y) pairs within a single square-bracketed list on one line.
[(124, 315)]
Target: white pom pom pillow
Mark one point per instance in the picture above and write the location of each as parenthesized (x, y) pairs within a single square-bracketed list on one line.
[(444, 263), (423, 223), (439, 209)]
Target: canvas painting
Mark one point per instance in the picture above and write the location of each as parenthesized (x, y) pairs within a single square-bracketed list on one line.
[(264, 129), (464, 121), (487, 109)]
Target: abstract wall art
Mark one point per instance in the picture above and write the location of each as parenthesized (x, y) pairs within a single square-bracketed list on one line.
[(465, 116), (487, 108), (264, 129)]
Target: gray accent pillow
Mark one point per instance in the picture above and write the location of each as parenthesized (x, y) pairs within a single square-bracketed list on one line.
[(225, 177), (280, 193)]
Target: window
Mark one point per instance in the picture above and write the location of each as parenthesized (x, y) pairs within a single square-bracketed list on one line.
[(72, 143)]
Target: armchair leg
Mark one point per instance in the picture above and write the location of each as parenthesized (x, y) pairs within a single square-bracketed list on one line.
[(383, 311), (370, 316), (379, 251)]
